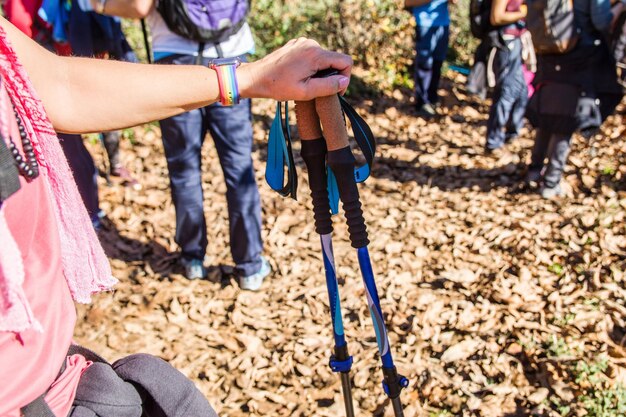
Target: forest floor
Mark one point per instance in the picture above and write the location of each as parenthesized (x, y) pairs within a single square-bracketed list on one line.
[(498, 303)]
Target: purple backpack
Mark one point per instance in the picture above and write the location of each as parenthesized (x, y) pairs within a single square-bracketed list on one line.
[(204, 21)]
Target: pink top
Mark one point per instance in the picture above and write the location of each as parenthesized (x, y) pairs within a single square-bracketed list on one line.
[(31, 359)]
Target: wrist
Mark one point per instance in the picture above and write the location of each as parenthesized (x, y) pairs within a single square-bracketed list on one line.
[(248, 85), (227, 80)]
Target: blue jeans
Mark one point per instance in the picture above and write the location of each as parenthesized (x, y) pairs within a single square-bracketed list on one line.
[(231, 130), (510, 95), (431, 49), (85, 172)]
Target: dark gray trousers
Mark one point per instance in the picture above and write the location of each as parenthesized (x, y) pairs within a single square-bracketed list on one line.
[(554, 146)]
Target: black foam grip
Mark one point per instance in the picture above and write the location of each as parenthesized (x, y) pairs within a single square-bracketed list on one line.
[(314, 154), (342, 162)]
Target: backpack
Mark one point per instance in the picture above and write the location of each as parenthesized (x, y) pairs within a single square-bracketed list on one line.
[(551, 24), (480, 16), (618, 48), (210, 21)]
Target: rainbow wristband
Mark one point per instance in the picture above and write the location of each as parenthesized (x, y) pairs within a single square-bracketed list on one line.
[(225, 68)]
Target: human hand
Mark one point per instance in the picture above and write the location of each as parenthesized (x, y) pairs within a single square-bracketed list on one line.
[(523, 8), (286, 73)]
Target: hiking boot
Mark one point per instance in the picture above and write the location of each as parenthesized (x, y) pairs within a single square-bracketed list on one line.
[(426, 111), (550, 193), (253, 282), (126, 177), (194, 268)]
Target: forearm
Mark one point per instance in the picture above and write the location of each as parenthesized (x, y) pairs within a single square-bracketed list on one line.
[(499, 16), (89, 95), (106, 95), (133, 9)]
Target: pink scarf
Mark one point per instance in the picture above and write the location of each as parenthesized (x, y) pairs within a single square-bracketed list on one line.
[(85, 265)]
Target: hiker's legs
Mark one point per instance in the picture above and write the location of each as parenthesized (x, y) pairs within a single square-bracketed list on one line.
[(424, 61), (516, 118), (509, 84), (231, 129), (182, 141), (540, 151), (85, 172), (557, 158), (111, 141), (441, 37)]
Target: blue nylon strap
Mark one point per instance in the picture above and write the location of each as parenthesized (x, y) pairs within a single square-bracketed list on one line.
[(280, 156)]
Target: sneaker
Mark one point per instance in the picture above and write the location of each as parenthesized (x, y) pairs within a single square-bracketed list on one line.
[(194, 268), (253, 282), (426, 110), (550, 193)]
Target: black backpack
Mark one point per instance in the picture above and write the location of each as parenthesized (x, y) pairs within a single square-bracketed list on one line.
[(618, 48), (480, 20)]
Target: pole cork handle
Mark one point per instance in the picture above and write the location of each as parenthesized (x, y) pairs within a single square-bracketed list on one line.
[(329, 110), (342, 162)]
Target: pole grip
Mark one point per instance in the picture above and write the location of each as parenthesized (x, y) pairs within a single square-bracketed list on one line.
[(342, 162), (329, 110), (307, 120), (313, 152)]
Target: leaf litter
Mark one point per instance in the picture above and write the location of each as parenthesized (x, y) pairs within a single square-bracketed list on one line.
[(492, 295)]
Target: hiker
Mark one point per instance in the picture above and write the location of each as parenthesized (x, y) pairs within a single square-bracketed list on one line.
[(432, 33), (510, 94), (230, 127), (576, 85), (50, 252)]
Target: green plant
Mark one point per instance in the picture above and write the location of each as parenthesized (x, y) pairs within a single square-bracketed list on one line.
[(605, 402), (556, 268), (608, 170), (592, 373), (440, 413), (557, 346)]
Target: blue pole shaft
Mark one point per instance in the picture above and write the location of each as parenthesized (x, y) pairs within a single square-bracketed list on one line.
[(341, 355), (333, 289), (393, 383), (373, 302)]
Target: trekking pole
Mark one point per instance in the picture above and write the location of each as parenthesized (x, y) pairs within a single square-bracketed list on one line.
[(314, 155), (342, 162), (146, 42)]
